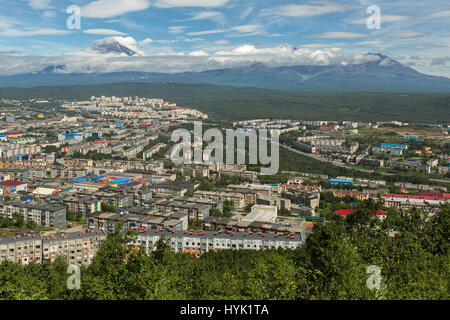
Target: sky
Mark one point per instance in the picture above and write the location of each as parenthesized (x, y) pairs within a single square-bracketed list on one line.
[(196, 35)]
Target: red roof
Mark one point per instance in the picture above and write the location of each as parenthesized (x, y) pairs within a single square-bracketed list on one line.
[(435, 194), (418, 197), (345, 212), (13, 133), (12, 183)]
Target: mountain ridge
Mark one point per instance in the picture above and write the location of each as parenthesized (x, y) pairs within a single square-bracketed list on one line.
[(379, 74)]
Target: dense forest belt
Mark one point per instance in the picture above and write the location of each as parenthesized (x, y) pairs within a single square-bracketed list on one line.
[(232, 103)]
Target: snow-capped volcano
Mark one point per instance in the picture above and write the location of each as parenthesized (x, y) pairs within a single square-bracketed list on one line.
[(116, 45)]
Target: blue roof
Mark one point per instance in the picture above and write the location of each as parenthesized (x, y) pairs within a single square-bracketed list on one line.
[(72, 134), (340, 181), (394, 145), (122, 180), (98, 177), (80, 179)]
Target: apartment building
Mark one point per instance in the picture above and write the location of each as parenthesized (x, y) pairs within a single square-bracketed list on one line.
[(407, 202), (79, 248), (21, 248), (193, 210), (212, 204), (109, 222), (236, 198), (14, 185), (9, 150), (345, 193), (82, 205), (304, 197), (41, 214), (273, 200), (199, 242)]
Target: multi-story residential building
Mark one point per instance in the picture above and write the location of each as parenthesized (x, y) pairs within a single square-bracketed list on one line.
[(407, 202), (14, 185), (345, 193), (175, 188), (252, 175), (236, 198), (379, 163), (21, 248), (9, 150), (304, 197), (193, 210), (41, 214), (199, 242), (212, 204), (79, 248), (109, 222), (273, 200), (85, 206)]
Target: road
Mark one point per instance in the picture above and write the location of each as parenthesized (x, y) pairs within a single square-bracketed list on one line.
[(320, 158)]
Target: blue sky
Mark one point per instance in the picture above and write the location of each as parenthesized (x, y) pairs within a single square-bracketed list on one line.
[(416, 33)]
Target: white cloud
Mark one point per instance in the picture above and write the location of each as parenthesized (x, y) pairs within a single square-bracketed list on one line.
[(112, 8), (104, 32), (176, 29), (201, 33), (164, 59), (33, 32), (168, 61), (209, 15), (440, 61), (304, 10), (7, 22), (146, 41), (49, 14), (164, 41), (439, 14), (39, 4), (222, 42), (407, 35), (190, 3), (337, 35), (246, 13), (247, 28), (193, 39), (199, 53)]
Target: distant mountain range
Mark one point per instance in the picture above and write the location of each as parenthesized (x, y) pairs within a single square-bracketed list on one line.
[(381, 74)]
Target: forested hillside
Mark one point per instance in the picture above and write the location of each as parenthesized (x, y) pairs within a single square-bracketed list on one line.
[(232, 103)]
